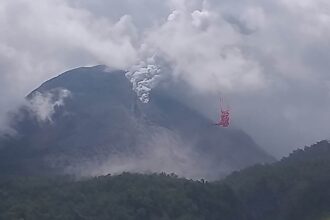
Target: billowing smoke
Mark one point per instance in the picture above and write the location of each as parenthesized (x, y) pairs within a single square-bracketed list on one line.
[(44, 105), (191, 42), (144, 77)]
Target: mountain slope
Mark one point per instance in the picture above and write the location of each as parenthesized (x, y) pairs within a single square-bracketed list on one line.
[(89, 121)]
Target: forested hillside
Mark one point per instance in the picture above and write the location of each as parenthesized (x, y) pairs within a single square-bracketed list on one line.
[(296, 188), (127, 196)]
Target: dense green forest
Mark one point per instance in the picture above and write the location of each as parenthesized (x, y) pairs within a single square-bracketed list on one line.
[(295, 188)]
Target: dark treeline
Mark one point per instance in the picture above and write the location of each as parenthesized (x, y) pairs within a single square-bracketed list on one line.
[(127, 196), (295, 188)]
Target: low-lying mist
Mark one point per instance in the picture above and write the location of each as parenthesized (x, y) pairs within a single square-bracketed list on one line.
[(162, 151)]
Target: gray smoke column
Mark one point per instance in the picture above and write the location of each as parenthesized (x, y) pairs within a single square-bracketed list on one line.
[(144, 77)]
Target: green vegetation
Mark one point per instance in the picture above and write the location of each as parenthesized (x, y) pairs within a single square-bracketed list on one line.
[(127, 196), (295, 188)]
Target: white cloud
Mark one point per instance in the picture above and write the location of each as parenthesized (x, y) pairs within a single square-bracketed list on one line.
[(205, 51)]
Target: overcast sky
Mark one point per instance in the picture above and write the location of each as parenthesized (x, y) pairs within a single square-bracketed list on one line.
[(269, 59)]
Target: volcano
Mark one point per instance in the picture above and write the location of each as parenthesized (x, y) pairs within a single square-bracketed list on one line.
[(89, 121)]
